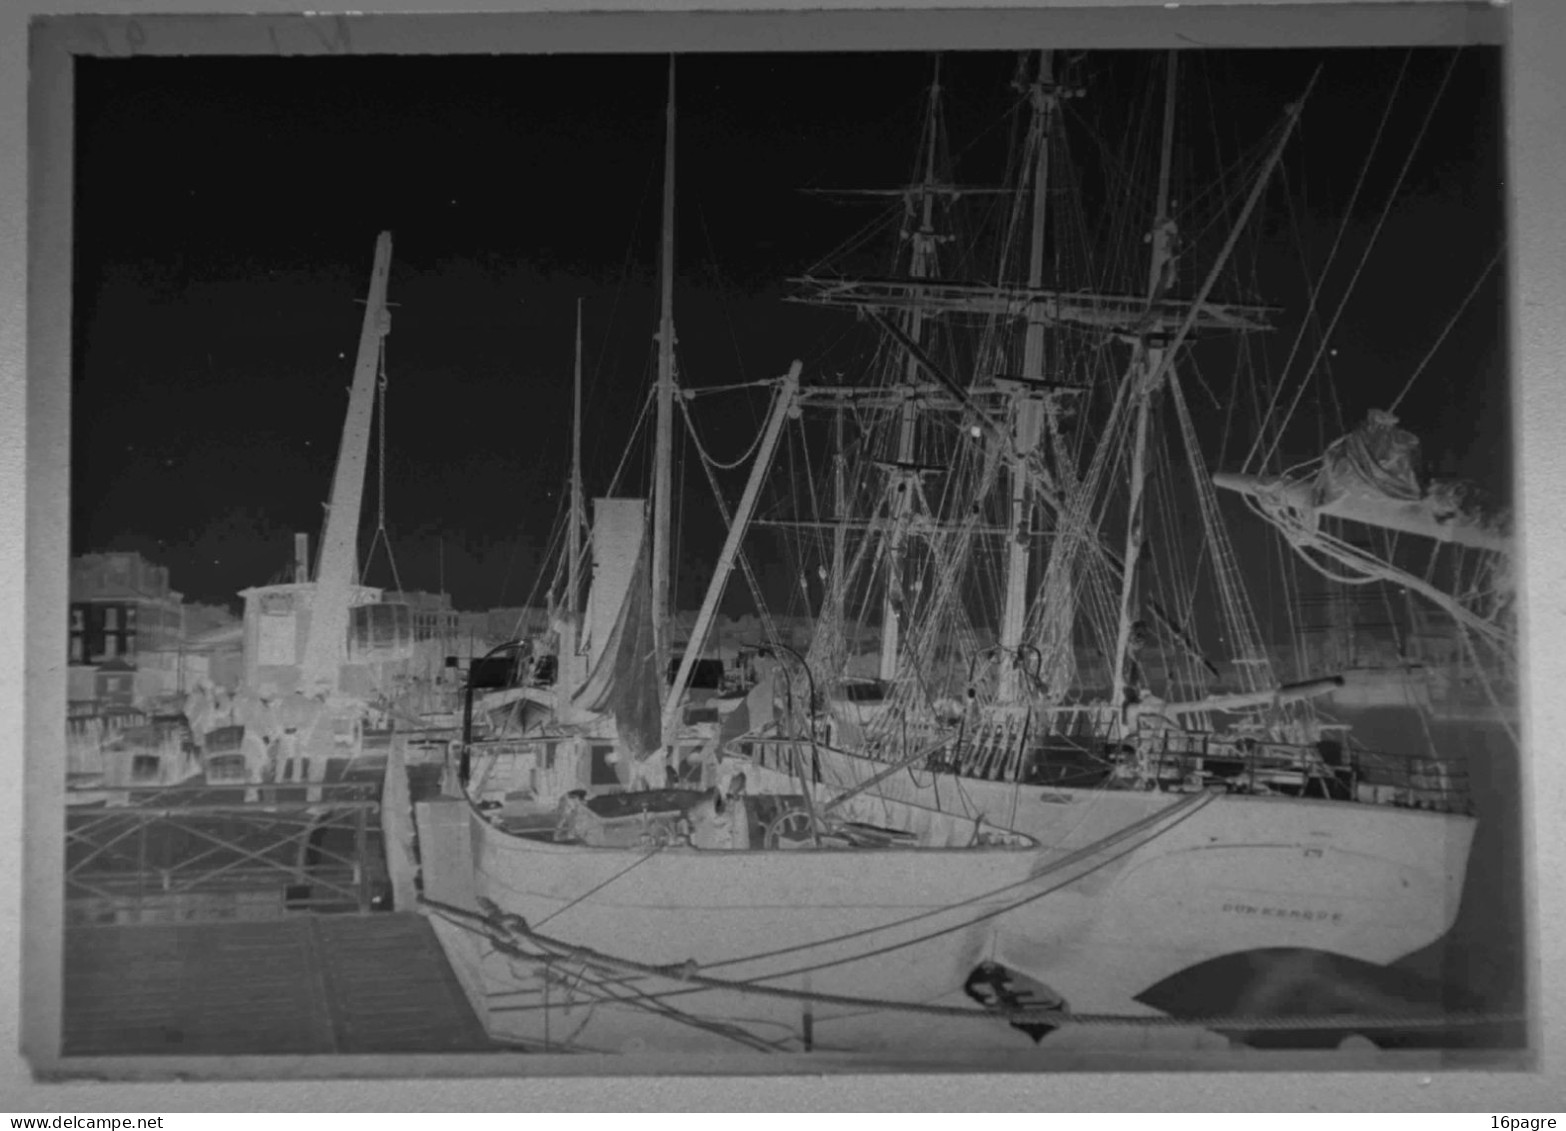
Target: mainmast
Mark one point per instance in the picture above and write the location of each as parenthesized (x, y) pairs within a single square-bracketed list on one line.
[(904, 478), (663, 478), (1029, 406), (578, 510), (1147, 367)]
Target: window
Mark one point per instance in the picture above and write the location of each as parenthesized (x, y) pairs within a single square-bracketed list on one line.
[(111, 647), (144, 767), (76, 650), (383, 627), (706, 674), (78, 620), (603, 771), (226, 768), (111, 619), (865, 691)]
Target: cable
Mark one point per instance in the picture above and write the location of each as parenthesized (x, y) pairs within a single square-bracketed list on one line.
[(600, 886), (1332, 254), (1364, 258), (688, 973), (1447, 329)]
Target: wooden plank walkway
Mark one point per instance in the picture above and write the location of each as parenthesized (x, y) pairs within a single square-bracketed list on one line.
[(310, 984)]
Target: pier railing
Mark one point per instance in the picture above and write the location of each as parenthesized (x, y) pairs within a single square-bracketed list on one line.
[(204, 853)]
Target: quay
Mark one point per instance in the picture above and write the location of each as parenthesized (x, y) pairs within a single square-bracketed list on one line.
[(210, 920)]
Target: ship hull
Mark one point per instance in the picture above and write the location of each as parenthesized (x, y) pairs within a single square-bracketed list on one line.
[(870, 950), (1246, 873), (860, 950)]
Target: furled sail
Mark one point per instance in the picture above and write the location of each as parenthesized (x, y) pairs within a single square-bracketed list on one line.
[(625, 681), (1378, 458)]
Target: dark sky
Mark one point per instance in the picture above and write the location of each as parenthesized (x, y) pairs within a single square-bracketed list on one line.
[(227, 210)]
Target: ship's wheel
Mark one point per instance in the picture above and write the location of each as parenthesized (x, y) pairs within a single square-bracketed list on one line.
[(793, 829)]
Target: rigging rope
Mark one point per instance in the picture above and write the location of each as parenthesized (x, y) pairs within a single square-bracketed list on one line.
[(1447, 329), (1332, 254), (769, 627), (1237, 612), (630, 445), (701, 451), (1363, 259), (600, 886), (1305, 538), (601, 990), (381, 535)]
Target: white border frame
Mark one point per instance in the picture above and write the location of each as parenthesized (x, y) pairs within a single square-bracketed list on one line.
[(35, 119)]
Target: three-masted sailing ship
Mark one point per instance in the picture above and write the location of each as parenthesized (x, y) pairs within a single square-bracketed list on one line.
[(986, 836)]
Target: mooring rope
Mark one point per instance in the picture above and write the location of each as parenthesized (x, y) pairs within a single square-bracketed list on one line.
[(688, 973)]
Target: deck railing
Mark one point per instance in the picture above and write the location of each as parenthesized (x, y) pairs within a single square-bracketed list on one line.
[(1180, 761)]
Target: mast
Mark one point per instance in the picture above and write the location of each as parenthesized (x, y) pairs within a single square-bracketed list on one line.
[(1147, 367), (326, 646), (1029, 407), (840, 517), (904, 479), (663, 477), (578, 515), (1154, 322)]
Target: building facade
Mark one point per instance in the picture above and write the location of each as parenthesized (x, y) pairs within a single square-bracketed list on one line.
[(128, 633), (433, 616)]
